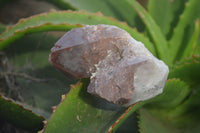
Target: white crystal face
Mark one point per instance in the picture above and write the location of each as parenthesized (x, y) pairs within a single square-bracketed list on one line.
[(149, 80)]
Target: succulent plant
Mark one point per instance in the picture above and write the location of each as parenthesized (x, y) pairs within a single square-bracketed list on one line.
[(30, 86)]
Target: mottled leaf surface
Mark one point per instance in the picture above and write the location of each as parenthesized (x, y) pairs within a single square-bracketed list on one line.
[(32, 60)]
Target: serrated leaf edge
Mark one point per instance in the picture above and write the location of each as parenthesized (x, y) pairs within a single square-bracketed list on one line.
[(54, 108), (3, 36)]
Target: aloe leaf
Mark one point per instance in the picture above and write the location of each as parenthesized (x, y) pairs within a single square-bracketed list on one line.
[(62, 4), (188, 112), (165, 13), (14, 33), (19, 116), (190, 13), (126, 13), (182, 115), (155, 32), (174, 93), (148, 123), (126, 114), (80, 111), (32, 60), (157, 125), (115, 8), (182, 118), (192, 45), (87, 113), (187, 71), (161, 13), (63, 21), (129, 125), (88, 5)]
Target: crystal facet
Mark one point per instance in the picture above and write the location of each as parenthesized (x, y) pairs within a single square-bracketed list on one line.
[(121, 69)]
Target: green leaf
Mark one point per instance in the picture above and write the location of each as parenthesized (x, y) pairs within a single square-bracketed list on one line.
[(103, 6), (187, 115), (166, 13), (62, 4), (180, 34), (182, 118), (80, 111), (152, 123), (126, 114), (115, 8), (174, 93), (36, 52), (187, 71), (19, 116), (89, 5), (177, 108), (148, 123), (129, 125), (182, 114), (161, 13), (32, 60), (87, 113), (63, 21), (126, 13), (193, 43), (155, 32)]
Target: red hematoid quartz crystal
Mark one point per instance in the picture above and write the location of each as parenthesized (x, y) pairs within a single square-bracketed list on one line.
[(121, 69)]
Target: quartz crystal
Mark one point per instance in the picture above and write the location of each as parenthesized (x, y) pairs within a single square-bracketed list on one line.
[(121, 69)]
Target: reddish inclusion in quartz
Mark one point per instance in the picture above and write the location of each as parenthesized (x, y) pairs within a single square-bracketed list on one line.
[(80, 49)]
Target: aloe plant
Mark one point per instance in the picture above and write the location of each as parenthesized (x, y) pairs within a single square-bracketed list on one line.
[(169, 29)]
